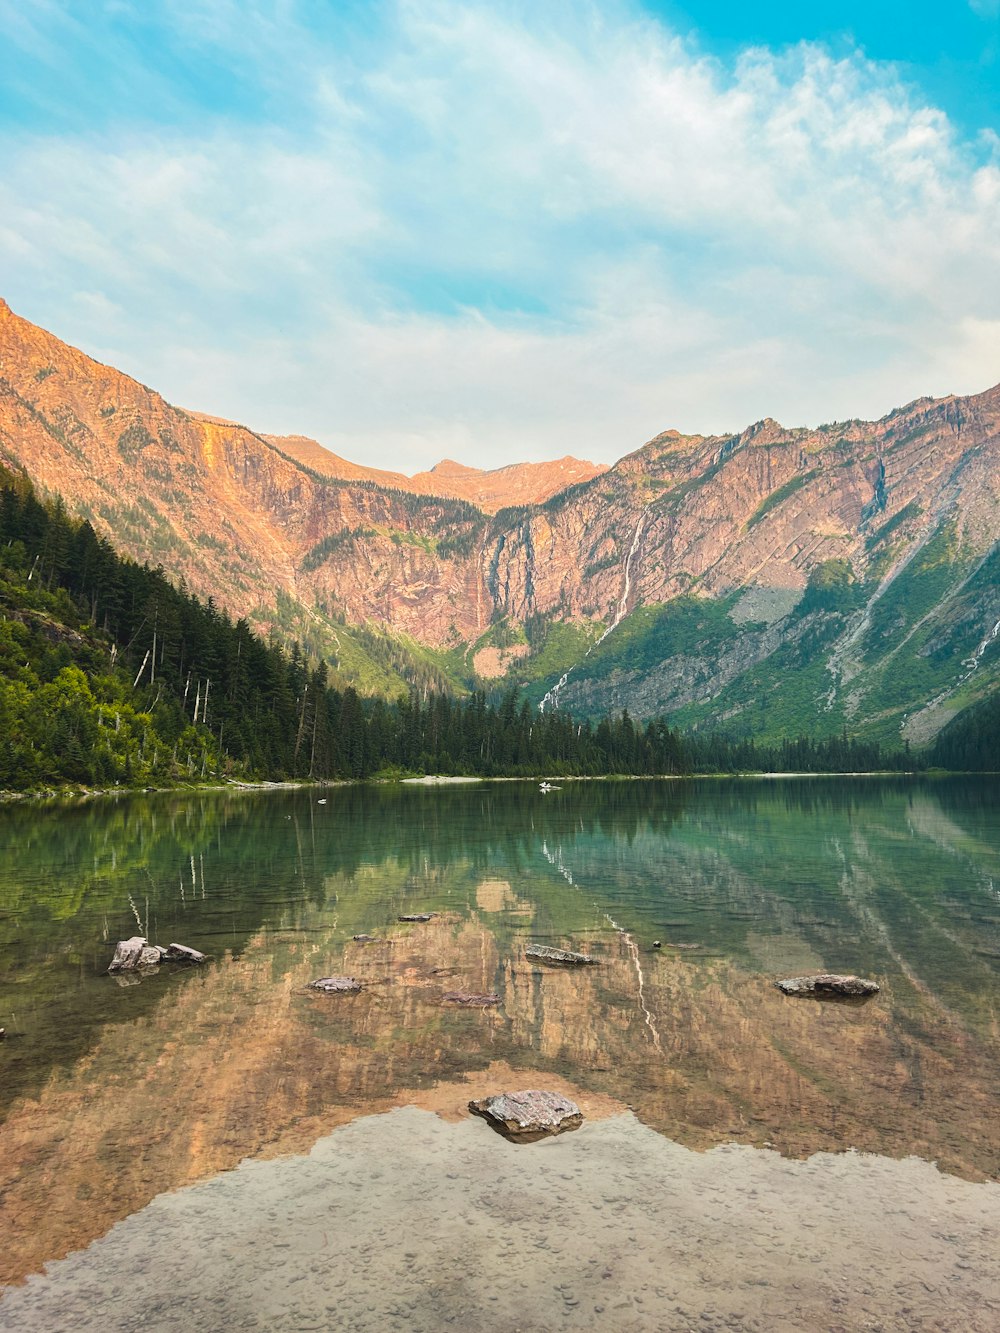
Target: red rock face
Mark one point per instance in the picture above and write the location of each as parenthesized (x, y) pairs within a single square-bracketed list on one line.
[(757, 510), (516, 484), (244, 518)]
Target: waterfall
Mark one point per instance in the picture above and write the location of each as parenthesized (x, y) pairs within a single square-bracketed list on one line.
[(621, 611), (971, 665), (973, 661)]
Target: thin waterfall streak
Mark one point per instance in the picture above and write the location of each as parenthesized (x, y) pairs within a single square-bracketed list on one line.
[(986, 643), (971, 665), (551, 696), (556, 861)]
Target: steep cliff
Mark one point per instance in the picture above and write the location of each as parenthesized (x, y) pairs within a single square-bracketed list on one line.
[(779, 579), (776, 579), (225, 510), (498, 488)]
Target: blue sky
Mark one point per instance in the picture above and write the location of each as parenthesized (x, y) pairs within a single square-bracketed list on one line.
[(508, 230)]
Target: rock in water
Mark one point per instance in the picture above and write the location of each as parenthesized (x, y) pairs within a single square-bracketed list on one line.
[(470, 999), (828, 984), (133, 954), (336, 985), (527, 1116), (180, 953), (418, 916), (557, 955)]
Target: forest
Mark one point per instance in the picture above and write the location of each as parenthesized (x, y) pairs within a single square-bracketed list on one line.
[(110, 675)]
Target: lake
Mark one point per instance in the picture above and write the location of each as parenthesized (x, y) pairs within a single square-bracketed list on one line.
[(220, 1147)]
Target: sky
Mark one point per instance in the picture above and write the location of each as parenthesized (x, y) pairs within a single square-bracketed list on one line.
[(508, 230)]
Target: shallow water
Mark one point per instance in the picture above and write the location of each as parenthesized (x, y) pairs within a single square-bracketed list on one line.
[(115, 1095)]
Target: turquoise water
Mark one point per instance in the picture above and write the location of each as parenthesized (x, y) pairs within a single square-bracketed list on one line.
[(113, 1094)]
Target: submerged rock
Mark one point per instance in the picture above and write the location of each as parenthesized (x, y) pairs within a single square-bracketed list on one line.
[(418, 916), (135, 955), (180, 953), (336, 985), (549, 955), (828, 984), (530, 1115), (471, 999)]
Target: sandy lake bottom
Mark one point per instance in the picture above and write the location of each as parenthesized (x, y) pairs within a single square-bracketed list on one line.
[(221, 1148), (406, 1221)]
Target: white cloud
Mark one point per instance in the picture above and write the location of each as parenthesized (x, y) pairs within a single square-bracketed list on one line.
[(501, 232)]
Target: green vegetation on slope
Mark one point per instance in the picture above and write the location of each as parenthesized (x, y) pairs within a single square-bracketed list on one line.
[(556, 646), (971, 741), (689, 659), (108, 674), (779, 496)]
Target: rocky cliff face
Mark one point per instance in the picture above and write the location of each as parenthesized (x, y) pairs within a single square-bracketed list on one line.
[(499, 488), (225, 509), (858, 558)]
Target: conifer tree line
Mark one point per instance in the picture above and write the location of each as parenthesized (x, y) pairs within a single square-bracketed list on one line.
[(110, 674)]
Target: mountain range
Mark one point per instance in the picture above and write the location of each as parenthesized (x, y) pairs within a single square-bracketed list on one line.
[(768, 581)]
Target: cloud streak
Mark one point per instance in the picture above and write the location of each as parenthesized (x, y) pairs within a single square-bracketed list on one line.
[(497, 233)]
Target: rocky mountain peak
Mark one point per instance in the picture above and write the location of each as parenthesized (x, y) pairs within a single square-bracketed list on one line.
[(449, 468), (886, 528), (765, 431)]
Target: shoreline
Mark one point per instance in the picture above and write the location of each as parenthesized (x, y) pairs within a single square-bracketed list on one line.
[(450, 779)]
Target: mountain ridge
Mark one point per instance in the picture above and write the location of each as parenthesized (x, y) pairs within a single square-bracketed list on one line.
[(859, 546)]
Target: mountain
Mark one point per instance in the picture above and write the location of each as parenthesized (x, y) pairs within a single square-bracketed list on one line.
[(770, 581), (490, 490), (498, 488), (787, 579)]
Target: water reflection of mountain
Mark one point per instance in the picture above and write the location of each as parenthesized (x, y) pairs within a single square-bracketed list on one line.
[(133, 1091)]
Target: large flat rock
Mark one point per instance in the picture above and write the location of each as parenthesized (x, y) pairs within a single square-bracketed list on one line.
[(550, 955), (826, 984), (336, 985), (529, 1115), (180, 953)]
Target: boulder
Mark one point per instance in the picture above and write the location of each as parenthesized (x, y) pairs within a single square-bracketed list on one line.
[(180, 953), (470, 999), (530, 1115), (828, 984), (135, 953), (548, 955), (336, 985)]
